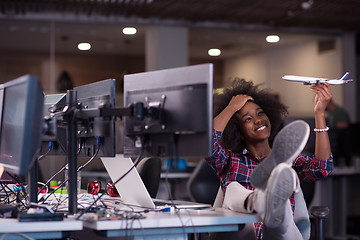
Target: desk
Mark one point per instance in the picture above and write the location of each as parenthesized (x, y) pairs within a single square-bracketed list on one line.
[(166, 225), (154, 225), (38, 230)]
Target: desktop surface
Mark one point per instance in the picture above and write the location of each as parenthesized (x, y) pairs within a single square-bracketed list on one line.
[(174, 225), (11, 228)]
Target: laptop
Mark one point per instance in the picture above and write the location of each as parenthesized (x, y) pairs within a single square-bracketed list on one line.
[(132, 189)]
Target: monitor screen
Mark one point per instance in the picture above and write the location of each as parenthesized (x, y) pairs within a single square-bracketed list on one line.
[(177, 118), (21, 123)]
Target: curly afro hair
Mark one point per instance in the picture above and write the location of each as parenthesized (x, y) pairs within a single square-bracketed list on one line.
[(264, 98)]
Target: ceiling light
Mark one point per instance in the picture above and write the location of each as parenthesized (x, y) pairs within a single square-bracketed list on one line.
[(307, 4), (214, 52), (84, 46), (129, 31), (272, 38)]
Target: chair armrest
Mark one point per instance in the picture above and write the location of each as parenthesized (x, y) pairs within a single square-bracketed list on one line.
[(319, 212)]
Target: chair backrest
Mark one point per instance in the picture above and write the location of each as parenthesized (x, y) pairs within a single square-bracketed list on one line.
[(203, 184), (308, 190), (149, 170)]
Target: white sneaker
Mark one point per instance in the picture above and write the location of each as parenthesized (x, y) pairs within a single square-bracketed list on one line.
[(288, 144), (270, 203)]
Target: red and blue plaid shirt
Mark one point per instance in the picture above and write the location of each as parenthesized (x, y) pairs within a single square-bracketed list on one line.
[(239, 166)]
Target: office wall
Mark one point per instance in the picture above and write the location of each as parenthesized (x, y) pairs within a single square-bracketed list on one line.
[(82, 68), (267, 67)]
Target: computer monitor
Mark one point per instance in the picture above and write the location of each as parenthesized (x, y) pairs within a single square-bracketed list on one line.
[(97, 95), (90, 96), (21, 123), (177, 117), (56, 133)]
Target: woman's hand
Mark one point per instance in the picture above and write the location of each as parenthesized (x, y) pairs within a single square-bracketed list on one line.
[(238, 101), (235, 104), (322, 97)]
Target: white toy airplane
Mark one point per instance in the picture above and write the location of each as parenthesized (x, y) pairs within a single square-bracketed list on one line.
[(315, 80)]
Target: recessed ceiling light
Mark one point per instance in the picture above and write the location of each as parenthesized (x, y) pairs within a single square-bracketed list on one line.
[(129, 30), (214, 52), (306, 5), (272, 38), (84, 46)]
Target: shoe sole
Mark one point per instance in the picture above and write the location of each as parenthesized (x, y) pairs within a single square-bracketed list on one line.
[(288, 144), (280, 188)]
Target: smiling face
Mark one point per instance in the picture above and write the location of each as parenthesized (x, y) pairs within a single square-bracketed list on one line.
[(254, 123)]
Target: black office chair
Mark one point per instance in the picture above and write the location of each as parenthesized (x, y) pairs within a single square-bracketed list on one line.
[(318, 214), (204, 187), (149, 170), (203, 184)]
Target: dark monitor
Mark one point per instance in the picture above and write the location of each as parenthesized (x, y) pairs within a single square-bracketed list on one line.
[(178, 114), (97, 95), (21, 123), (54, 103), (91, 96)]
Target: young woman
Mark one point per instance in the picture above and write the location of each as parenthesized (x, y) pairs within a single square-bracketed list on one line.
[(247, 120)]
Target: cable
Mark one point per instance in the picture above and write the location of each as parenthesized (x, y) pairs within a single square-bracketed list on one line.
[(51, 146), (118, 180), (44, 185), (80, 147), (6, 193), (78, 170), (23, 190), (98, 141), (5, 186), (60, 171), (65, 167), (172, 152), (141, 227), (192, 223)]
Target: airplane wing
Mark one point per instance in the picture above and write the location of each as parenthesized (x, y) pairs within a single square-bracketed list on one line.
[(315, 80)]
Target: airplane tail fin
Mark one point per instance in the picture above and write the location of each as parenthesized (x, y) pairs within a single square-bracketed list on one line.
[(345, 77)]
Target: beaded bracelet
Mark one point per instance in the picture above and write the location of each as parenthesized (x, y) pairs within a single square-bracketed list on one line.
[(321, 129)]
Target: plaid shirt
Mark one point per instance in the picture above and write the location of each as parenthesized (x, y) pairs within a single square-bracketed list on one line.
[(239, 166)]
